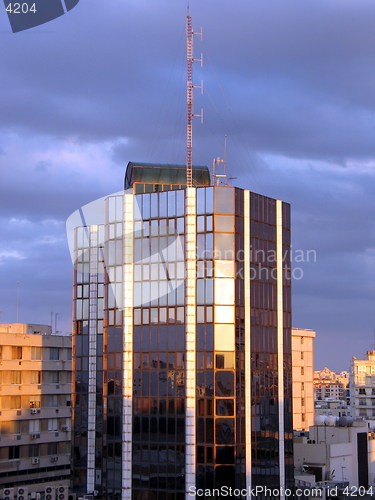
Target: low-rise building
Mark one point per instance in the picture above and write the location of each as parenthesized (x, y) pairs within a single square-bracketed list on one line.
[(35, 409), (332, 407), (338, 454)]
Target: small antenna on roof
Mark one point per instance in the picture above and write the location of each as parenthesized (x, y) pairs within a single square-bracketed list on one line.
[(190, 95), (220, 178)]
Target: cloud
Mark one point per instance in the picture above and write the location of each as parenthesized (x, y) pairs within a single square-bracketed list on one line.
[(10, 254), (291, 84)]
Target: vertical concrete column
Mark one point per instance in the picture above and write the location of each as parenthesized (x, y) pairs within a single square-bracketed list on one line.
[(93, 316), (280, 340), (127, 370), (247, 277), (190, 337)]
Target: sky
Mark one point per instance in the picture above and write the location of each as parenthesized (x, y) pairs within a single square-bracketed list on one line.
[(292, 85)]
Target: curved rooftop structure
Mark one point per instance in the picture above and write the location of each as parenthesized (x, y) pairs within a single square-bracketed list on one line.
[(154, 177)]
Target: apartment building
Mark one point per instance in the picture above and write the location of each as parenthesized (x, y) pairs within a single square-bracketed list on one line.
[(35, 410), (331, 385), (362, 387), (302, 378)]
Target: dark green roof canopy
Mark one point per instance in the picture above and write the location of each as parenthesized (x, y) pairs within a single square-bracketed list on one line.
[(162, 173)]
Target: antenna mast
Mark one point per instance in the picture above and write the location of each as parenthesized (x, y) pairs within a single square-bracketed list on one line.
[(190, 96), (220, 178)]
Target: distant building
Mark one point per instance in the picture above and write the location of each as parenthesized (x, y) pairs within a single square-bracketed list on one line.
[(35, 409), (337, 454), (362, 387), (331, 407), (331, 385), (302, 378)]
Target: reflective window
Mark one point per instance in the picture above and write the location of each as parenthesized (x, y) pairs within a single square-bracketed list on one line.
[(225, 431), (224, 383), (224, 223), (225, 407), (224, 360), (224, 200), (224, 292), (224, 246)]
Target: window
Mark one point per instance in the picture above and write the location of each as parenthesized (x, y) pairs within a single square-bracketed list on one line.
[(33, 450), (35, 377), (15, 377), (69, 354), (301, 355), (52, 401), (362, 391), (302, 340), (68, 377), (35, 402), (11, 427), (13, 452), (34, 426), (52, 424), (36, 353), (54, 353), (302, 370), (16, 352), (52, 448), (1, 352), (50, 377), (15, 402)]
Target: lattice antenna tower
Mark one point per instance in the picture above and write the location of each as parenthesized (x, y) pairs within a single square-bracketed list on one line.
[(190, 95)]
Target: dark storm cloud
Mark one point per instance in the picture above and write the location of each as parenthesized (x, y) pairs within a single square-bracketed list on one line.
[(288, 74), (34, 263), (332, 214), (290, 83)]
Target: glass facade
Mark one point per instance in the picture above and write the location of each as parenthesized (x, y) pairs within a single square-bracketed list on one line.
[(149, 178), (158, 450), (220, 361), (264, 367), (158, 430)]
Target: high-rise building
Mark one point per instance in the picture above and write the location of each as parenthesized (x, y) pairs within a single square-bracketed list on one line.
[(303, 378), (362, 387), (35, 410), (182, 338)]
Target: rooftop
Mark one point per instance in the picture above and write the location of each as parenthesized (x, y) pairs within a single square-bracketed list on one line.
[(151, 177)]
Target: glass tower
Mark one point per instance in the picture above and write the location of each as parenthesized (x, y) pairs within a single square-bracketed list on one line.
[(181, 339)]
